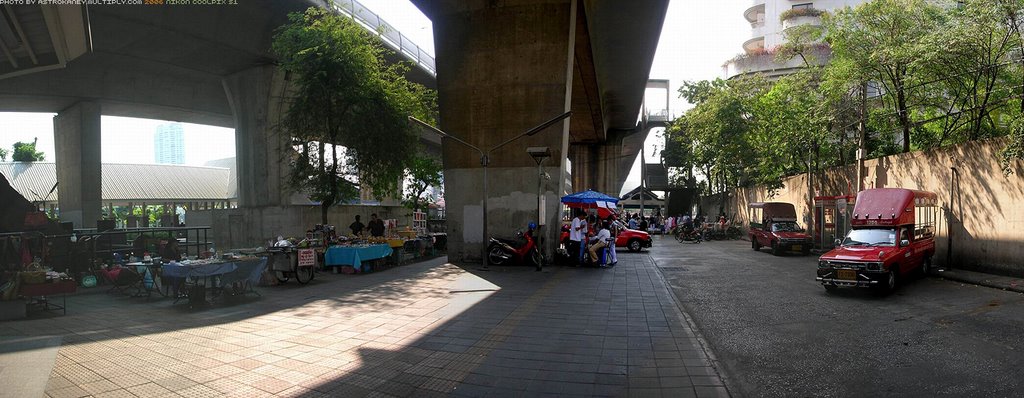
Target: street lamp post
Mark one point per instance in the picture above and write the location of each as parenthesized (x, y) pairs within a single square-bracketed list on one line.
[(485, 159), (539, 154)]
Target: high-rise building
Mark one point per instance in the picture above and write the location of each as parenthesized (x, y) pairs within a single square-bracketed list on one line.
[(169, 144), (769, 20)]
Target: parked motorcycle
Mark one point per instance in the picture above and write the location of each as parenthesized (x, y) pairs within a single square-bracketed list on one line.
[(689, 234), (522, 250)]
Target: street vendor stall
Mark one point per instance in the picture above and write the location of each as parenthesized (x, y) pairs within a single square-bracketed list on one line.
[(354, 255), (605, 205), (190, 278)]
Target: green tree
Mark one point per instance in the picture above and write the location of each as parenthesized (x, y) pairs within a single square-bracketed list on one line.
[(348, 111), (26, 152), (879, 41), (423, 173), (716, 131), (3, 155), (967, 62)]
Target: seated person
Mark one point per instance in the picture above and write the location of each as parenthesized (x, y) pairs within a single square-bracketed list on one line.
[(599, 241), (170, 251), (140, 246)]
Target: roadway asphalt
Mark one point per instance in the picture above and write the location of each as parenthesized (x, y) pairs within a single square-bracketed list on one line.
[(776, 332)]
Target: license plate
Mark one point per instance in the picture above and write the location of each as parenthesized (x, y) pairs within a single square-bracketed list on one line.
[(847, 274), (797, 248)]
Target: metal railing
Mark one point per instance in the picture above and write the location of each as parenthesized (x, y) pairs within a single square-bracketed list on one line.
[(391, 36), (89, 247), (661, 115)]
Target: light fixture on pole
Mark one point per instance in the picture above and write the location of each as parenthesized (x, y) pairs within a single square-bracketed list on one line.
[(485, 159), (539, 154)]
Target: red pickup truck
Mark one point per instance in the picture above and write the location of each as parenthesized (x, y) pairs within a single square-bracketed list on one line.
[(892, 236), (773, 225)]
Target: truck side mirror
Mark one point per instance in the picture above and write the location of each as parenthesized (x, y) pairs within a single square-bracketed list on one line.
[(838, 242), (904, 243)]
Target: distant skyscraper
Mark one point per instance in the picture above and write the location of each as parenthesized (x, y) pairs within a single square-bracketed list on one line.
[(169, 144)]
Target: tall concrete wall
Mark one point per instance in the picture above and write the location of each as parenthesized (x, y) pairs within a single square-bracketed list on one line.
[(254, 226), (984, 215)]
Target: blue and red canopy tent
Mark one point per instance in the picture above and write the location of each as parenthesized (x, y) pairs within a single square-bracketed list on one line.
[(590, 199)]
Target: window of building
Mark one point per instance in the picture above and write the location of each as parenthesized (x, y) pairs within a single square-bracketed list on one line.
[(803, 6)]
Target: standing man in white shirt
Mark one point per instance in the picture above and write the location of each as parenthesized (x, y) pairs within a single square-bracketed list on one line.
[(577, 231)]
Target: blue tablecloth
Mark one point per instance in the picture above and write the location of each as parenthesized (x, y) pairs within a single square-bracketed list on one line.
[(354, 255), (178, 270)]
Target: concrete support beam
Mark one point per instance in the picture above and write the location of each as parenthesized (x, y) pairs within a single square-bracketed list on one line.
[(76, 133), (256, 99), (502, 69), (596, 166)]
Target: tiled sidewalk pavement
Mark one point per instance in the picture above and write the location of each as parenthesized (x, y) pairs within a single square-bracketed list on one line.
[(429, 329)]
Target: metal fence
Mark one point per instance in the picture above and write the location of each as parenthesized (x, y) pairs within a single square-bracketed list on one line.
[(85, 248), (391, 36)]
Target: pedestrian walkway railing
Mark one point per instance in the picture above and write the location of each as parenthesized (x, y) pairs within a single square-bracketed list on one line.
[(84, 249), (391, 36)]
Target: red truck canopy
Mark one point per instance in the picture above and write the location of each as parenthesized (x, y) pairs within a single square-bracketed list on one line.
[(889, 206), (775, 211)]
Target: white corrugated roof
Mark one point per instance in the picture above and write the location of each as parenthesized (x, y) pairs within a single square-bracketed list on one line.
[(129, 182)]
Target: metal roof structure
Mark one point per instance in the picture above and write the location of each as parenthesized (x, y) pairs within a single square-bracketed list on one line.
[(129, 182)]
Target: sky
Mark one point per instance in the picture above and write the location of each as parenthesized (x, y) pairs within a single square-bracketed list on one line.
[(696, 38)]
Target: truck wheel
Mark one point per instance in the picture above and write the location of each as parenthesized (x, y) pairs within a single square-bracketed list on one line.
[(754, 244), (634, 245), (776, 249), (888, 284), (926, 267)]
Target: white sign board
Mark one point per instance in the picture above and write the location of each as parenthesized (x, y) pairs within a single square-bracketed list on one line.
[(307, 257)]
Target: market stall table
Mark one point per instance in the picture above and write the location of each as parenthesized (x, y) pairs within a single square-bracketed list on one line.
[(177, 273), (354, 256), (38, 293), (150, 278)]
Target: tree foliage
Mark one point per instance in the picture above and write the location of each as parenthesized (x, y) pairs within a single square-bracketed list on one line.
[(423, 173), (26, 152), (920, 74), (348, 111)]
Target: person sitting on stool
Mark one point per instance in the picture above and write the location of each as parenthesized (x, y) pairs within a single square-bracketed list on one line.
[(613, 231), (600, 241)]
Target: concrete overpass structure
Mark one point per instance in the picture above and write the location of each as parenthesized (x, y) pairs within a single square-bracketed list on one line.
[(198, 64), (501, 68)]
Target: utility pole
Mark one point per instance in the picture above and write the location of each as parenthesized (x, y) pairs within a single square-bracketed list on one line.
[(862, 132), (643, 154)]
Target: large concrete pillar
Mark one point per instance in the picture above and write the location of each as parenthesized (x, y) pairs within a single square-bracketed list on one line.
[(255, 96), (596, 166), (503, 67), (76, 132)]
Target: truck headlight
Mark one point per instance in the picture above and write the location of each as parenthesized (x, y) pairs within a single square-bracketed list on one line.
[(874, 266), (822, 264)]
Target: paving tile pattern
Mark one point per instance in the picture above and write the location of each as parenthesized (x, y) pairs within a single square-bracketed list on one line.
[(423, 330)]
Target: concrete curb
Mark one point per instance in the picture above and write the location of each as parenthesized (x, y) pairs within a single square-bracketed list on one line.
[(981, 279)]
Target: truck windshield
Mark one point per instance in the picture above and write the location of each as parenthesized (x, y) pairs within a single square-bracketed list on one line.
[(785, 227), (871, 237)]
